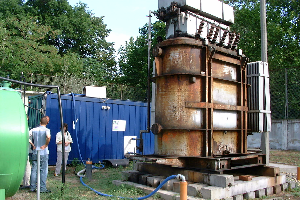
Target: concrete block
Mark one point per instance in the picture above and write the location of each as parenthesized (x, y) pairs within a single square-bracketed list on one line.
[(194, 189), (238, 197), (131, 175), (212, 192), (269, 191), (249, 195), (284, 186), (167, 195), (176, 187), (206, 178), (188, 198), (277, 189), (260, 193), (154, 181), (169, 185), (228, 198), (223, 180), (291, 185), (143, 179)]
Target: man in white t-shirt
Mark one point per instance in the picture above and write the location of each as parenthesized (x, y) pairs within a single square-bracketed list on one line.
[(40, 139)]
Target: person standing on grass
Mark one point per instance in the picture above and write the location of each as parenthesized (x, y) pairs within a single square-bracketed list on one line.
[(40, 140), (68, 141)]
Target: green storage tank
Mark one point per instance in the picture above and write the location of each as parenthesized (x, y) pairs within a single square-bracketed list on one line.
[(13, 142)]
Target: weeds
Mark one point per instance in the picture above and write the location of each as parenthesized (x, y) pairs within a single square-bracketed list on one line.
[(296, 191)]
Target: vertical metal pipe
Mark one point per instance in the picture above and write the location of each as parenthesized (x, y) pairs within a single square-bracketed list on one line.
[(63, 134), (38, 175), (263, 28), (149, 72), (88, 169)]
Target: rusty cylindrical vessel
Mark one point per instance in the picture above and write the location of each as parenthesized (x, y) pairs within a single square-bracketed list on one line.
[(201, 99)]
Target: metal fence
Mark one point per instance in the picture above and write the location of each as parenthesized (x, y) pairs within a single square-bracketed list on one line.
[(285, 96)]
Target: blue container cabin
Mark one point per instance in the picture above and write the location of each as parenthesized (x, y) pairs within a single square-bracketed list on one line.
[(90, 125)]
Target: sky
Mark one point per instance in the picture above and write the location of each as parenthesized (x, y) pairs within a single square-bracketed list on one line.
[(123, 17)]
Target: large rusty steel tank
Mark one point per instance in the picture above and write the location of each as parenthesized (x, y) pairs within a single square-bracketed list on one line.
[(200, 99)]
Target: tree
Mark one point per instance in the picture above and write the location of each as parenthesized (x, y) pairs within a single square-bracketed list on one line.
[(133, 62), (79, 30), (283, 28), (43, 40)]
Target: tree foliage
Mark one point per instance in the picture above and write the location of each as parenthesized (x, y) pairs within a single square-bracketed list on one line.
[(283, 32), (133, 61), (52, 38), (283, 28)]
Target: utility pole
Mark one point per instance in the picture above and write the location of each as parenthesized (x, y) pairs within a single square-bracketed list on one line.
[(265, 145)]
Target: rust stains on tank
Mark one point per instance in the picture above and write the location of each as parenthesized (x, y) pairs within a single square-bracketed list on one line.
[(200, 95), (180, 143)]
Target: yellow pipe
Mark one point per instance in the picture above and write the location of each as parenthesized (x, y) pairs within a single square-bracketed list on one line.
[(183, 190)]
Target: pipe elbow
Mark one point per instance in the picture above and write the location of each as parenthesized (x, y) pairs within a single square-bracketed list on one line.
[(180, 177)]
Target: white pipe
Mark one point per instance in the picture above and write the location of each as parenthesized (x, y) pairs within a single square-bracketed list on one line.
[(180, 177), (79, 173)]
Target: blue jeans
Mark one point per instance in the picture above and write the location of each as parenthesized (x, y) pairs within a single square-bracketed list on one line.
[(43, 172)]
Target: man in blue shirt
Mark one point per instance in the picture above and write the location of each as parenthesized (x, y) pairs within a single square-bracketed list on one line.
[(40, 139)]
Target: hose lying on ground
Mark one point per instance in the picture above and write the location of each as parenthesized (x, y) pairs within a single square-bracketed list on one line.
[(179, 177)]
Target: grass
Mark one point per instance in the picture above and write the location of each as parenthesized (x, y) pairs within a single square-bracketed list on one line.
[(295, 192), (73, 189), (288, 157), (102, 182)]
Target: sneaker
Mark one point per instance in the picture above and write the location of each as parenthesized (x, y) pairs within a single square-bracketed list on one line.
[(24, 187), (46, 191), (55, 174), (32, 190)]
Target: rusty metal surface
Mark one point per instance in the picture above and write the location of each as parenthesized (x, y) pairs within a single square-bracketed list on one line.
[(171, 94), (200, 107), (225, 141), (216, 164), (223, 70), (180, 142), (181, 60)]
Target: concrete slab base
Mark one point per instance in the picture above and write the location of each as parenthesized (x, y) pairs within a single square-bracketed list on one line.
[(167, 195), (218, 186)]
